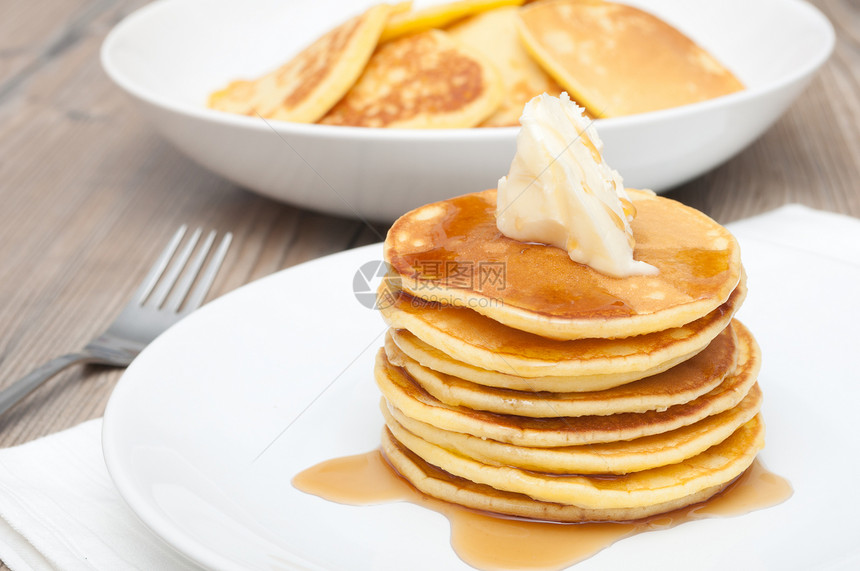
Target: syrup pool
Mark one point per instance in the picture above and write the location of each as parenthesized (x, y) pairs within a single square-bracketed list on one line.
[(487, 541)]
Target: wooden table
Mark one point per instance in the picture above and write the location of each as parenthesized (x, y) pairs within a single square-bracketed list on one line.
[(90, 194)]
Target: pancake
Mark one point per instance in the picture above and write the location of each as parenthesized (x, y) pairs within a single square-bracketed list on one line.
[(452, 251), (469, 337), (306, 87), (616, 60), (494, 35), (424, 80), (620, 457), (436, 360), (682, 383), (720, 464), (407, 396), (437, 16)]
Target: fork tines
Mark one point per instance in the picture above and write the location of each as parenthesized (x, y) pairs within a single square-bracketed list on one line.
[(177, 278)]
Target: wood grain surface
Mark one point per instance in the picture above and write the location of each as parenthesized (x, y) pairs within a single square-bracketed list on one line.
[(89, 194)]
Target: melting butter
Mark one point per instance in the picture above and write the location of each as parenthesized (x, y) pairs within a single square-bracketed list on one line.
[(561, 192)]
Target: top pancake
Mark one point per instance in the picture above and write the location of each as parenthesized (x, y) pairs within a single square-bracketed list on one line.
[(306, 87), (616, 60), (452, 252), (425, 80)]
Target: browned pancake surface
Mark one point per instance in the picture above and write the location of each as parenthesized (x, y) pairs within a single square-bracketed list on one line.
[(620, 457), (408, 396), (681, 383), (453, 251), (433, 481), (616, 60), (307, 86), (472, 338), (424, 80), (494, 34)]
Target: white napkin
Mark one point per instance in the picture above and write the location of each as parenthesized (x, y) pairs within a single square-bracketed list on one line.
[(59, 509)]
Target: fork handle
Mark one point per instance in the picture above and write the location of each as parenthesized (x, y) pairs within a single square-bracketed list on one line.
[(28, 383)]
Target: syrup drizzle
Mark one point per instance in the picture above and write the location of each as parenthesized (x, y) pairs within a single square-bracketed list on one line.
[(463, 249), (487, 541)]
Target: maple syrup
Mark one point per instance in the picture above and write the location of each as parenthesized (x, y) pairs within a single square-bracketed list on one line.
[(487, 541), (464, 238)]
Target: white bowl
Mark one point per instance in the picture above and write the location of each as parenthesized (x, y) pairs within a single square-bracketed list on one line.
[(170, 55)]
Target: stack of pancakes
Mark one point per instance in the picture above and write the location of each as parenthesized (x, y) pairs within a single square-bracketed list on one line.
[(519, 382)]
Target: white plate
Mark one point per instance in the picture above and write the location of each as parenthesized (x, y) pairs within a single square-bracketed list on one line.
[(184, 428), (170, 55)]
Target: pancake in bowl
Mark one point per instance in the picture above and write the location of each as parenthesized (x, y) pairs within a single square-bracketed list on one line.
[(616, 59), (494, 35), (424, 80), (306, 87)]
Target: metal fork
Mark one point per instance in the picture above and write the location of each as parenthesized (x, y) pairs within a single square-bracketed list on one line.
[(149, 312)]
